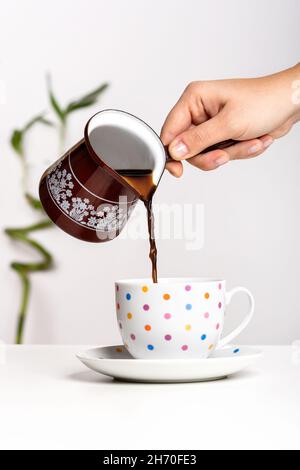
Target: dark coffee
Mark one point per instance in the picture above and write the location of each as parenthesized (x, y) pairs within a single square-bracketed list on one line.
[(153, 248), (142, 182)]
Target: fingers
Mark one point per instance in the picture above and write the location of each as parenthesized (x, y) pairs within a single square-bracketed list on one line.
[(213, 160), (247, 149), (177, 121), (175, 168), (198, 138), (183, 115), (210, 160)]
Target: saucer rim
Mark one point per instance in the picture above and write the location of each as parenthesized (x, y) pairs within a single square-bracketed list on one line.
[(257, 353)]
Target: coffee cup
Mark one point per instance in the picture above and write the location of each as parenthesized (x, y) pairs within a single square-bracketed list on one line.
[(177, 318)]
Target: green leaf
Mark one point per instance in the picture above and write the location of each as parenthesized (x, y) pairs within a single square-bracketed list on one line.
[(87, 100), (37, 119), (47, 122), (57, 109), (33, 202), (54, 103), (17, 137), (16, 141)]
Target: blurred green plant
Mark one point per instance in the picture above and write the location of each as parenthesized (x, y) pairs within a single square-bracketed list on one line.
[(18, 143)]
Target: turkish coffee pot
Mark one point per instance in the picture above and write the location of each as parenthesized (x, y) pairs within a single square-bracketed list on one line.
[(93, 188)]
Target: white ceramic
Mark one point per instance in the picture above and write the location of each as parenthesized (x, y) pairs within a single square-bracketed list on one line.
[(116, 361), (176, 318)]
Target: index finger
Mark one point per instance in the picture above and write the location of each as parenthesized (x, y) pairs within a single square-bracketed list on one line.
[(178, 120)]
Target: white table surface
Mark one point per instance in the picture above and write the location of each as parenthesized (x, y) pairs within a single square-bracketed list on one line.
[(49, 400)]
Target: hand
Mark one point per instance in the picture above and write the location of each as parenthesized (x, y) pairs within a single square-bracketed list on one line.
[(253, 111)]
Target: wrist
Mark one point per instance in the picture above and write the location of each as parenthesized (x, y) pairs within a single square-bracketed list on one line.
[(292, 85), (296, 92)]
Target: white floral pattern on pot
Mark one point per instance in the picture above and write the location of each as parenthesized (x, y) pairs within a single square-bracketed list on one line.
[(105, 218)]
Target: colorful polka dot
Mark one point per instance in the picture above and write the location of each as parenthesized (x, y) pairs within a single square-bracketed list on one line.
[(211, 346), (146, 307), (120, 325), (129, 316), (184, 347), (168, 337), (206, 295), (145, 289), (220, 286), (217, 326), (236, 351), (167, 316), (203, 337), (188, 307), (166, 296), (132, 337), (220, 304), (147, 327), (119, 350), (206, 315), (150, 347), (188, 327), (187, 288), (128, 296), (117, 287), (118, 306)]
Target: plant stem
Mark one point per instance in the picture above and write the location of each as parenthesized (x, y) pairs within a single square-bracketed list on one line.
[(24, 178), (24, 269), (24, 304), (30, 228)]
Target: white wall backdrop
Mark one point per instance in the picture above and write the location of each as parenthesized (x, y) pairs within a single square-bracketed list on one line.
[(149, 51)]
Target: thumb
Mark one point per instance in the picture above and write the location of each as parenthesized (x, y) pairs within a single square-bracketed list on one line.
[(196, 139)]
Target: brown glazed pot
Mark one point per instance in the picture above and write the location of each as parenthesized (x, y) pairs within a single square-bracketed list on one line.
[(83, 195), (86, 198)]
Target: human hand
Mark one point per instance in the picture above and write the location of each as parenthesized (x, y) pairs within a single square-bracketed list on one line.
[(253, 111)]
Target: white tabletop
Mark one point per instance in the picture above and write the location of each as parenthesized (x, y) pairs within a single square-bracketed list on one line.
[(49, 400)]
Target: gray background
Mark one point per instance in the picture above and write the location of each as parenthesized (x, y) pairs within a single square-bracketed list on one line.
[(149, 51)]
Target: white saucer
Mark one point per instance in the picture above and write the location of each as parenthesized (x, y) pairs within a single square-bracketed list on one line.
[(116, 362)]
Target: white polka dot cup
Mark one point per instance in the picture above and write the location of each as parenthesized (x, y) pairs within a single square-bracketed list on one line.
[(176, 318)]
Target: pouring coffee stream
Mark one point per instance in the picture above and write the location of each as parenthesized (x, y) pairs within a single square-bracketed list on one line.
[(142, 181)]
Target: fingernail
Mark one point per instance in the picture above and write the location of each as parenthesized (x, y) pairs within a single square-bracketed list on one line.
[(268, 142), (255, 148), (179, 150), (221, 160)]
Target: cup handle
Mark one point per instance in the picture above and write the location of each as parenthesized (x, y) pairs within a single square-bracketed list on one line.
[(245, 322)]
